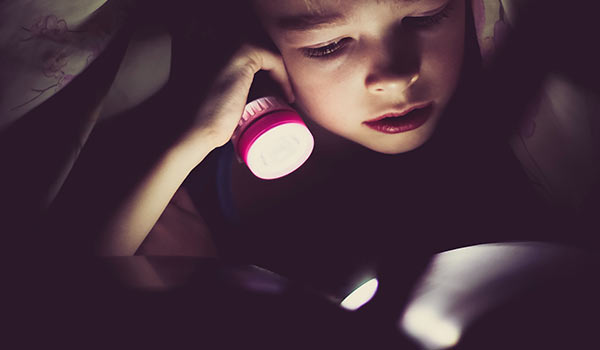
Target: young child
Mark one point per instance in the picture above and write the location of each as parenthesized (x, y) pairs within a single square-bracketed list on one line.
[(371, 60), (371, 183)]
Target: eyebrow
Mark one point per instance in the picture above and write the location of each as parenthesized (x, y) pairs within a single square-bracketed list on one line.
[(306, 22), (309, 21)]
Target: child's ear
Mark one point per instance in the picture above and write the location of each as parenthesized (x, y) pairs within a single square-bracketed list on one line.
[(255, 34), (284, 82), (272, 83)]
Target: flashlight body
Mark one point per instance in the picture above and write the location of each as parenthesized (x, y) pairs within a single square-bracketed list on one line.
[(271, 138)]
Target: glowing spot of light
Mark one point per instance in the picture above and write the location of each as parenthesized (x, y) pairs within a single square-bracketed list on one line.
[(280, 151), (430, 328), (361, 295)]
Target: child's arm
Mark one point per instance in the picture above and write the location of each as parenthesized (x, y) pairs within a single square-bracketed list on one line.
[(212, 127), (133, 167)]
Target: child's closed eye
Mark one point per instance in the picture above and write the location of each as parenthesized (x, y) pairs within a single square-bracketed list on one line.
[(326, 51), (428, 21)]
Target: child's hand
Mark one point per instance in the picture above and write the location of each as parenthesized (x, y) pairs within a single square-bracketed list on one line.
[(212, 69), (223, 104)]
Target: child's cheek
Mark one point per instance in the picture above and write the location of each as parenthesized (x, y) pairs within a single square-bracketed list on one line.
[(443, 56)]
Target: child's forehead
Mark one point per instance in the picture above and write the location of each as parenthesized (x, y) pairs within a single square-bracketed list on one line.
[(278, 13), (320, 6), (299, 6)]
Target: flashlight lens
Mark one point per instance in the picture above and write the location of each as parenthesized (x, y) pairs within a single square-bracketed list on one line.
[(279, 151), (271, 138)]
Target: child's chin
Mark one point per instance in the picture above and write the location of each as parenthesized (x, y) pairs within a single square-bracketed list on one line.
[(398, 146)]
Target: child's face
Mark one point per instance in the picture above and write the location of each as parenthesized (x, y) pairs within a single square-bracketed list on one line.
[(353, 61)]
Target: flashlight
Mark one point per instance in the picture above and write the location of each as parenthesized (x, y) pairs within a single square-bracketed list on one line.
[(271, 138)]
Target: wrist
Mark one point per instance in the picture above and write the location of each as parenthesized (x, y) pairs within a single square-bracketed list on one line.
[(192, 147)]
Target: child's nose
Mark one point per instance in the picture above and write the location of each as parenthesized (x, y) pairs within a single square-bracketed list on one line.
[(394, 64), (390, 83)]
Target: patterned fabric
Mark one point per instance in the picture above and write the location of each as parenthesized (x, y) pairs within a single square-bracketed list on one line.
[(555, 141)]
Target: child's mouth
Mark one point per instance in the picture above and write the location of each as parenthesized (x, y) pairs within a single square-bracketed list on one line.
[(394, 124)]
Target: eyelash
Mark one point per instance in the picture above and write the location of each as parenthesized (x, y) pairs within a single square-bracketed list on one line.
[(329, 50), (428, 21), (325, 51)]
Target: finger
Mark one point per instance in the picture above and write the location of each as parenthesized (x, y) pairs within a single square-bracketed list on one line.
[(229, 93), (273, 63)]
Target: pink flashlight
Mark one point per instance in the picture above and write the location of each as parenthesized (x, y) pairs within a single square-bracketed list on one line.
[(271, 138)]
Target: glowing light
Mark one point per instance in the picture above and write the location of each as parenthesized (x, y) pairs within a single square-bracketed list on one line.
[(430, 328), (280, 150), (361, 295)]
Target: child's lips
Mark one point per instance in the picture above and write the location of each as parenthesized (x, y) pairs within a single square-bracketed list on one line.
[(401, 112), (405, 120)]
